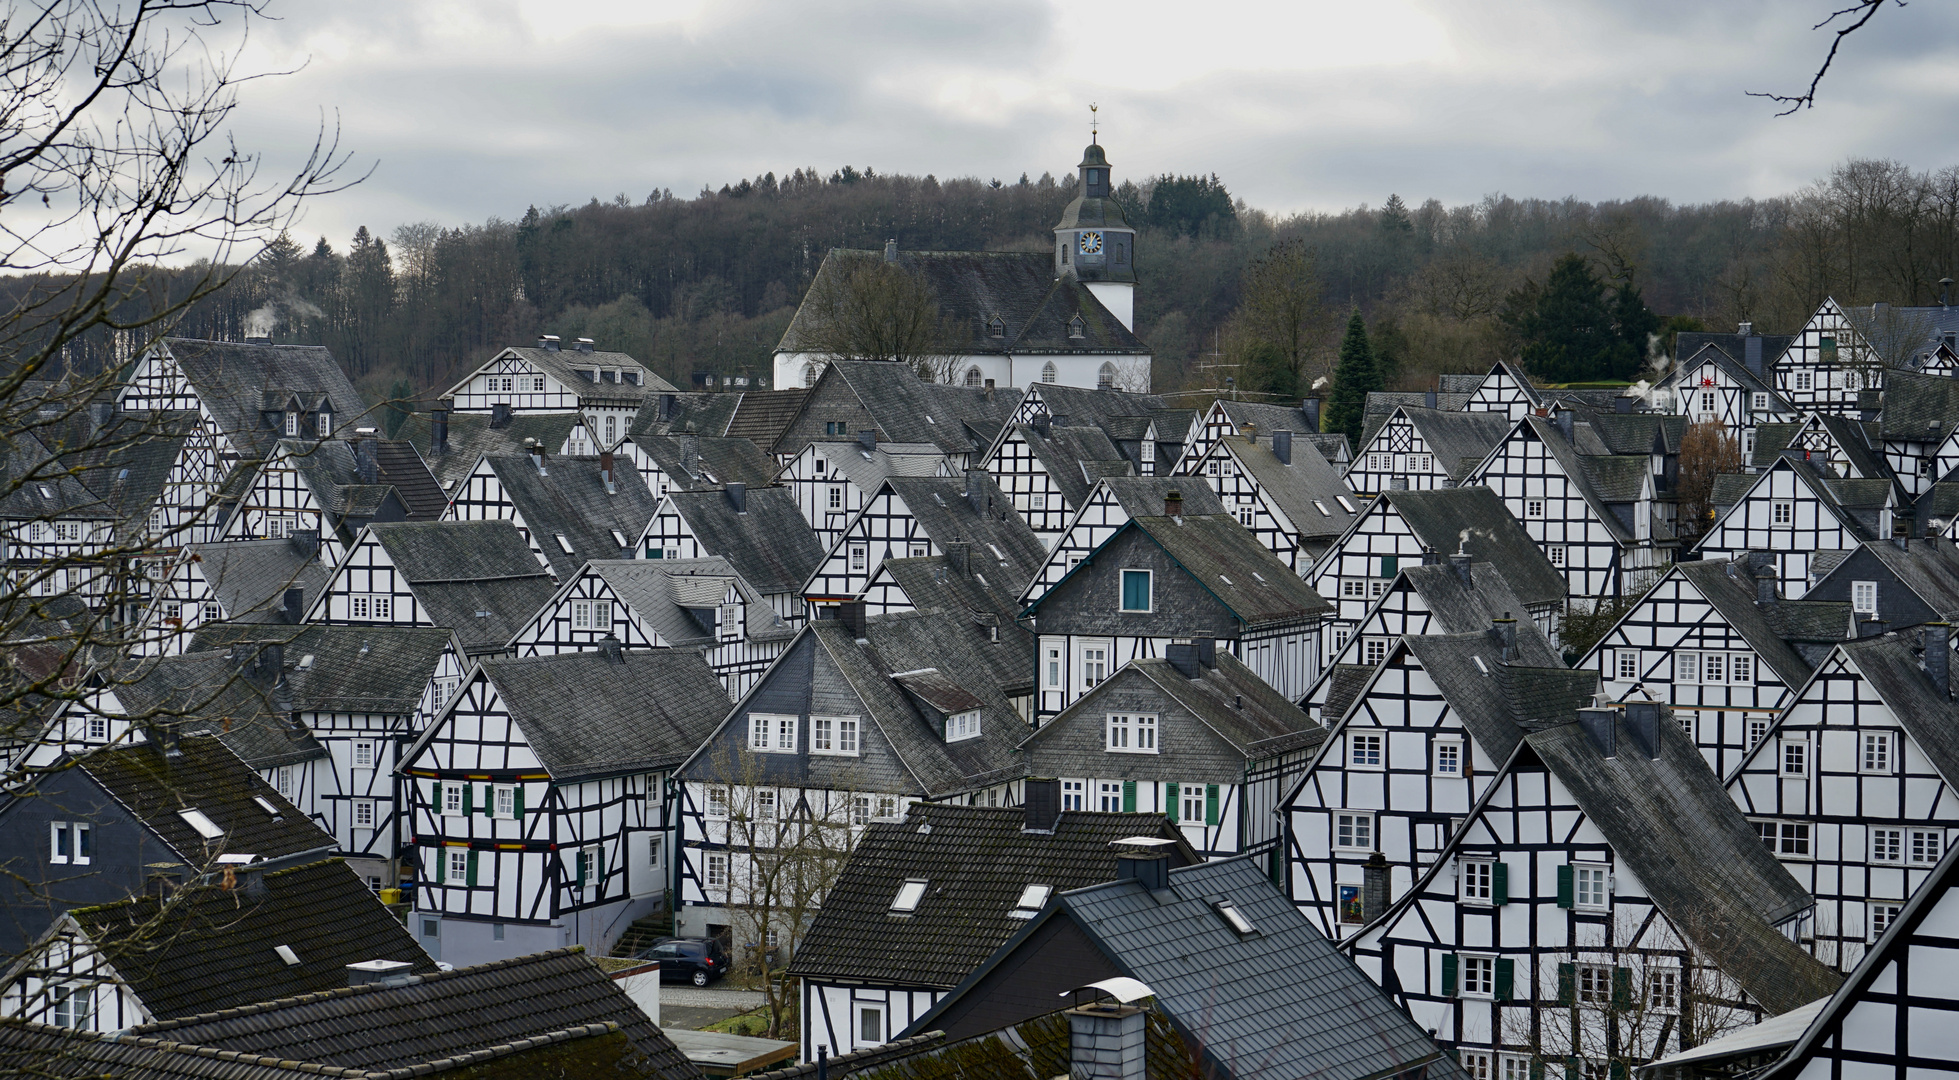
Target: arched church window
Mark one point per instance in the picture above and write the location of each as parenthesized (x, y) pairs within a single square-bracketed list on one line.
[(809, 374), (973, 377), (1106, 376), (1048, 373)]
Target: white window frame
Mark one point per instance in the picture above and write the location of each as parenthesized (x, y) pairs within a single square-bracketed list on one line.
[(452, 798), (363, 753), (1588, 879), (1672, 978), (1879, 915), (961, 726), (1886, 846), (1074, 795), (860, 555), (364, 814), (1863, 597), (1534, 509), (1450, 758), (860, 1010), (1877, 753), (772, 733), (503, 802), (1782, 512), (1792, 756), (1367, 751), (1923, 847), (1129, 733), (1358, 831), (1483, 986), (455, 866), (1758, 402), (717, 802), (835, 736), (714, 870), (1476, 882), (1085, 668), (1122, 599), (1625, 665)]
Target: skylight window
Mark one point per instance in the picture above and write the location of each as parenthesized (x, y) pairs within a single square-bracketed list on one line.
[(619, 538), (265, 804), (1321, 507), (285, 953), (1226, 580), (45, 493), (205, 827), (1481, 666), (305, 663), (1032, 899), (563, 544), (909, 896), (1235, 918), (1344, 504)]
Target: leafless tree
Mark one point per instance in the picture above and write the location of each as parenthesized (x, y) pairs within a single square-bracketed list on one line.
[(1855, 17), (1283, 307), (1707, 450), (864, 308)]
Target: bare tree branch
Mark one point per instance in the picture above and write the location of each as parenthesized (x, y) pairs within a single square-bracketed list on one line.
[(1868, 8)]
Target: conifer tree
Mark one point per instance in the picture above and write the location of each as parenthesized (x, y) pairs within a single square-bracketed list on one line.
[(1353, 378)]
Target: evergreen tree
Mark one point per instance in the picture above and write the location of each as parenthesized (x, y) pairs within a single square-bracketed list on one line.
[(1568, 334), (401, 402), (1394, 217), (1265, 371), (1635, 324), (1353, 378)]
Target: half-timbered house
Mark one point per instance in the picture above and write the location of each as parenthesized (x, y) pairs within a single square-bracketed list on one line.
[(571, 509), (833, 479), (1423, 448), (477, 578), (1175, 578), (957, 586), (537, 800), (1507, 390), (1601, 906), (1897, 583), (253, 581), (1109, 505), (701, 605), (1045, 470), (1843, 444), (452, 443), (1400, 528), (857, 720), (854, 396), (1227, 417), (1715, 642), (1196, 737), (1145, 430), (1852, 787), (918, 516), (53, 531), (1725, 379), (864, 975), (1293, 501), (331, 488), (1827, 364), (760, 531), (688, 461), (1919, 428), (605, 389), (1795, 509)]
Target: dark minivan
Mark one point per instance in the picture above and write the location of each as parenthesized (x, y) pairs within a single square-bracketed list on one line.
[(696, 960)]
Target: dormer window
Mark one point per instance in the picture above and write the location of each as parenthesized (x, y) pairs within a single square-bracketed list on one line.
[(997, 327), (326, 424), (1076, 328), (292, 423), (910, 894), (960, 726)]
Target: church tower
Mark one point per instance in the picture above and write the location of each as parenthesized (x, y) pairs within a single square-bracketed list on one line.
[(1094, 243)]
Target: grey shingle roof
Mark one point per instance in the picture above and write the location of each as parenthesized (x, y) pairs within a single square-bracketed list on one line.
[(250, 577), (204, 775), (1676, 827), (436, 1016), (1890, 665), (976, 601), (471, 437), (1732, 346), (233, 381), (1381, 404), (1769, 629), (1143, 495), (569, 499), (997, 533), (1308, 491), (126, 462), (200, 691), (1459, 439), (353, 669), (59, 1053), (584, 715), (977, 861), (771, 545), (1637, 433), (868, 468), (1494, 700), (1034, 1049), (648, 587), (213, 949), (1929, 569), (907, 409), (1473, 519), (569, 366), (1227, 697), (1729, 488), (692, 461), (1066, 453), (1229, 561), (460, 568)]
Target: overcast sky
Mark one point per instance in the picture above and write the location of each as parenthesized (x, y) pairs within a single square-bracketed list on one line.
[(480, 108)]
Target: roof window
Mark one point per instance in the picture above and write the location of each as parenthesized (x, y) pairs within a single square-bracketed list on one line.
[(1032, 899), (1235, 918), (1344, 504), (45, 493), (1321, 507), (563, 544), (265, 804), (1227, 581), (305, 663), (909, 896), (285, 953), (197, 819), (619, 538)]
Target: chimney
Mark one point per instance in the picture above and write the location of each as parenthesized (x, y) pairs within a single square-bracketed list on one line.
[(1042, 803), (1173, 504), (690, 454), (1462, 562), (365, 464), (1282, 446), (851, 614), (1562, 418), (891, 250), (976, 489), (1150, 869), (1311, 407), (1871, 627), (1600, 728), (1374, 887), (1936, 637), (867, 440), (1184, 659), (1106, 1042), (294, 607), (1505, 630), (1643, 724), (584, 344), (500, 415), (1431, 557), (605, 472), (439, 431), (1207, 652), (1765, 581), (305, 541), (1043, 423), (255, 339), (615, 653), (1397, 483), (1622, 405), (1751, 351), (1745, 329), (957, 555), (737, 497), (1428, 399), (373, 971), (548, 342)]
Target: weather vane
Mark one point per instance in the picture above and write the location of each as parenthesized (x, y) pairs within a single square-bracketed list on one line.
[(1093, 122)]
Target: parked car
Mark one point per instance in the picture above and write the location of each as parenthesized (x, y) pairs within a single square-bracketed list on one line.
[(696, 960)]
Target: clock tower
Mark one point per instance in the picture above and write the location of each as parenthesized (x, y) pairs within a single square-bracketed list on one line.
[(1094, 243)]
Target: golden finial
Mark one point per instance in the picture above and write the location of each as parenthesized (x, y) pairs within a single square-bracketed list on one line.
[(1093, 122)]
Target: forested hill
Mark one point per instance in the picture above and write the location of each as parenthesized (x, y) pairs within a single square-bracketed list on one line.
[(708, 283)]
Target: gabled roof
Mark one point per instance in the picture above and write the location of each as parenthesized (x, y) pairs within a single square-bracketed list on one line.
[(1307, 490), (569, 367), (234, 379), (1675, 826), (154, 784), (1074, 456), (660, 591), (1929, 568), (1637, 433), (1382, 404), (1460, 440), (1228, 561), (1494, 700), (471, 436), (383, 670), (976, 862), (1034, 1049), (1226, 697), (1001, 539), (1732, 347), (867, 468), (126, 462), (214, 948), (975, 600), (1461, 606), (61, 1053), (770, 544), (436, 1016), (1890, 665), (569, 499), (1474, 519), (906, 409), (1068, 306), (250, 577), (692, 461), (477, 578), (1768, 628), (586, 715), (704, 414), (1140, 496), (36, 485), (1573, 465), (1854, 503), (235, 697)]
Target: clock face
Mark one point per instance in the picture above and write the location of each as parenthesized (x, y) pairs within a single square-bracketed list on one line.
[(1091, 243)]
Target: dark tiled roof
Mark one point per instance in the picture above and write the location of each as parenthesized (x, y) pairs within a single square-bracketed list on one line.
[(1002, 541), (1494, 700), (250, 577), (471, 437), (460, 568), (694, 461), (1308, 491), (1769, 628), (235, 381), (1140, 496), (1889, 663), (569, 366), (975, 601), (1230, 562), (207, 691), (1638, 433), (867, 468), (213, 949), (401, 466), (1460, 440), (1227, 697), (1675, 826), (771, 545), (569, 499), (435, 1016), (1473, 519), (1035, 1049), (704, 414), (1930, 569), (1065, 453), (1049, 328), (907, 409), (1618, 479), (648, 586), (584, 715), (382, 670), (1732, 346), (126, 462), (1729, 488), (203, 775), (764, 415), (58, 1053), (1381, 404), (1346, 681), (977, 861)]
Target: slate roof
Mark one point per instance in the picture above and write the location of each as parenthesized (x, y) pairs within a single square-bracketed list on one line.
[(1460, 440), (771, 545), (437, 1015), (200, 691), (906, 409), (1462, 607), (126, 462), (569, 499), (1889, 664), (1035, 1049), (1600, 483), (1074, 457), (1230, 563), (471, 438), (1729, 488), (1473, 519), (213, 949), (233, 381), (1227, 697), (648, 587), (584, 715), (1346, 681), (867, 468), (459, 568), (976, 602), (1140, 496), (1769, 629), (1494, 708), (1855, 503), (250, 577), (568, 366), (1930, 569), (706, 414), (58, 1053), (1700, 860), (1308, 491), (1107, 409), (382, 670), (695, 461), (1732, 346), (36, 486), (977, 861), (154, 786), (1001, 540), (1381, 404), (1639, 432)]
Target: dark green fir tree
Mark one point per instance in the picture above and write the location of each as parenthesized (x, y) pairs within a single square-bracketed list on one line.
[(1354, 377)]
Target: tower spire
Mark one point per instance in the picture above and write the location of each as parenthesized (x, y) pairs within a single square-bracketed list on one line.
[(1094, 122)]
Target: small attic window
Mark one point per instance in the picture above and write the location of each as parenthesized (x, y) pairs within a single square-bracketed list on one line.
[(997, 553), (285, 953), (265, 804), (1344, 504), (1234, 918), (1077, 328), (1321, 507), (996, 327), (45, 493), (909, 896), (1032, 899), (305, 663), (564, 545), (1227, 581), (197, 819)]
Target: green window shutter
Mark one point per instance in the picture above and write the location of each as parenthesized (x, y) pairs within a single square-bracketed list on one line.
[(1170, 806), (654, 551), (517, 803), (1506, 977), (1275, 865), (1389, 564), (1210, 804), (1500, 883), (1618, 1070), (1567, 984), (1449, 962), (489, 800), (1622, 988), (1129, 796), (1564, 887), (472, 869), (469, 796), (1536, 1070), (1574, 1066)]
